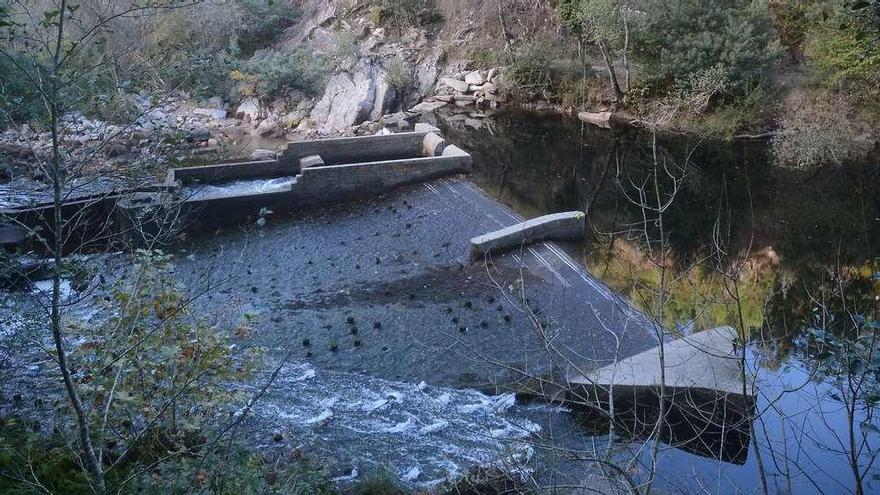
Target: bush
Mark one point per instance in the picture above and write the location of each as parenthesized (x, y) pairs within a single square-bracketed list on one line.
[(19, 100), (685, 37), (399, 14), (845, 51), (820, 130), (268, 75), (529, 68), (378, 482)]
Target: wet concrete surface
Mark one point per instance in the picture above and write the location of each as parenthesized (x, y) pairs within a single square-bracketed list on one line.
[(384, 287)]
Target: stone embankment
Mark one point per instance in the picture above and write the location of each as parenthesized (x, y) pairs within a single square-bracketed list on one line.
[(478, 88)]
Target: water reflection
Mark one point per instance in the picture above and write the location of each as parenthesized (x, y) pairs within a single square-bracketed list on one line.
[(789, 256)]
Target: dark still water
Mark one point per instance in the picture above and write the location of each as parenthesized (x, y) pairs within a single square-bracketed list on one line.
[(699, 234)]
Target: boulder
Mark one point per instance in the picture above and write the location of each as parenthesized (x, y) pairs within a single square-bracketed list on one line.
[(351, 99), (198, 135), (249, 109), (261, 154), (496, 97), (427, 106), (457, 85), (493, 73), (475, 78), (268, 127), (445, 98), (214, 113), (115, 148)]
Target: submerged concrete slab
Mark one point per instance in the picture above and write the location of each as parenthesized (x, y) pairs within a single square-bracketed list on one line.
[(706, 360), (706, 412), (567, 226)]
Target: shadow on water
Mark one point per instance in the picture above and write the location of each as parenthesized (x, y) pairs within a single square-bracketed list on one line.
[(802, 248)]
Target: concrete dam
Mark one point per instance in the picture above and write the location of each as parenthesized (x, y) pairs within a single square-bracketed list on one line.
[(375, 255)]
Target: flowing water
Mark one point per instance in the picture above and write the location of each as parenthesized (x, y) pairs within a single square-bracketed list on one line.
[(791, 256)]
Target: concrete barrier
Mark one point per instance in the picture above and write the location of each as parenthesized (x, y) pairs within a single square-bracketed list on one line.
[(361, 149), (706, 410), (556, 227), (332, 183), (229, 171)]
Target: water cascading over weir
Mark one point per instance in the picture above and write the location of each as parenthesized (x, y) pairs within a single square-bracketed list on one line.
[(306, 175)]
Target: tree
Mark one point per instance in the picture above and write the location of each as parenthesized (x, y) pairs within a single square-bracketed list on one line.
[(607, 24), (44, 45), (685, 37)]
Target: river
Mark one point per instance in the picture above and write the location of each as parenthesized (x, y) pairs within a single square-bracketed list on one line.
[(382, 293), (802, 247)]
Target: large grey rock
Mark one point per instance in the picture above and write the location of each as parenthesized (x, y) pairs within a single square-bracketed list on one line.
[(198, 134), (457, 85), (267, 128), (475, 78), (261, 154), (351, 99), (214, 113), (249, 109), (427, 106)]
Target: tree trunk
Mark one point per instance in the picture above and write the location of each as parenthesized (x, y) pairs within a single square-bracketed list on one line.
[(612, 75), (91, 463)]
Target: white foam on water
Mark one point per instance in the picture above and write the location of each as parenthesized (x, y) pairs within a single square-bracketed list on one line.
[(431, 428), (244, 187), (325, 415), (444, 432), (411, 474)]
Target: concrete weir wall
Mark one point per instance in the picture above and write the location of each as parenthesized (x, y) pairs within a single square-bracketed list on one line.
[(320, 185), (307, 174), (556, 227), (321, 172), (361, 149)]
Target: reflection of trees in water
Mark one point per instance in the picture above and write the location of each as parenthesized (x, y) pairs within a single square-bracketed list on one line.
[(742, 243)]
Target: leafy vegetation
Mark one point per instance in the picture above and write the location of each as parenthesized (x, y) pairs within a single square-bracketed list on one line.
[(680, 38)]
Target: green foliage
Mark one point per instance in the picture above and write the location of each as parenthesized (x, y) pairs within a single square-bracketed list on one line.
[(684, 37), (399, 14), (28, 458), (236, 473), (378, 482), (270, 74), (845, 51), (19, 98), (595, 19), (528, 68), (154, 372), (752, 111), (263, 21)]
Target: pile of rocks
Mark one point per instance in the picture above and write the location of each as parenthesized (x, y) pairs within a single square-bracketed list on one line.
[(478, 88)]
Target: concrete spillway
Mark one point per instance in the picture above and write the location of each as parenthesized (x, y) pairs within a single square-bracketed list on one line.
[(398, 266)]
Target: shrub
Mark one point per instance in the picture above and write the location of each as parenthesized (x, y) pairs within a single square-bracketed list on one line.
[(684, 37), (529, 67), (399, 75), (399, 14), (268, 75), (845, 51), (378, 482), (820, 130)]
